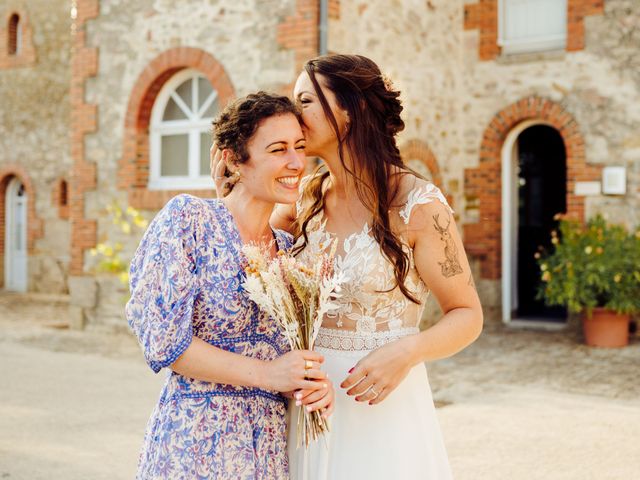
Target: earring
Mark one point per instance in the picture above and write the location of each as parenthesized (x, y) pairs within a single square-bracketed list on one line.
[(234, 178)]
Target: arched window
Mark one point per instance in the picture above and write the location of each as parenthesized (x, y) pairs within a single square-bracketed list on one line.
[(15, 35), (180, 133)]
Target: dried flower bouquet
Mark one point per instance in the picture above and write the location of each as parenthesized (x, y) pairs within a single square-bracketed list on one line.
[(297, 295)]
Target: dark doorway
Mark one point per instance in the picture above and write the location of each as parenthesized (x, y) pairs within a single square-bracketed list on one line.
[(542, 193)]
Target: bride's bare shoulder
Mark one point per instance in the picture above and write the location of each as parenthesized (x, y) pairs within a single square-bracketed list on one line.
[(406, 183)]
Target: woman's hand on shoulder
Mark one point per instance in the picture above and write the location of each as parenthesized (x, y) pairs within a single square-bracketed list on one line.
[(283, 217), (223, 184)]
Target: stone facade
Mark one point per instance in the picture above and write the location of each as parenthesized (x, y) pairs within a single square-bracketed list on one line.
[(34, 145), (462, 98), (104, 62)]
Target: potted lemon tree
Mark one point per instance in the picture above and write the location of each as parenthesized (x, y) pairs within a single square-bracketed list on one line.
[(594, 269)]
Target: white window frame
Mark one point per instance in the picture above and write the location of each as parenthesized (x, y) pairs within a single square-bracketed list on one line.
[(531, 44), (193, 126)]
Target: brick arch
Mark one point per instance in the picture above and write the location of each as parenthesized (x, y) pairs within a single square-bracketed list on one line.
[(133, 173), (34, 224), (483, 183), (418, 150)]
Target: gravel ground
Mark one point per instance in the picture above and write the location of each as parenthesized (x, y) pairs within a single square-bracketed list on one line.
[(516, 405)]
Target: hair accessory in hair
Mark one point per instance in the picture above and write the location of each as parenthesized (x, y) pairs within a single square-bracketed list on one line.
[(388, 84)]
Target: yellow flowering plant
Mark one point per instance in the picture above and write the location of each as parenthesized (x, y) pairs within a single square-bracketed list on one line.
[(109, 254), (590, 265)]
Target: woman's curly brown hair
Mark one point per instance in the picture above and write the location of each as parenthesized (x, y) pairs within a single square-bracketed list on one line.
[(238, 122)]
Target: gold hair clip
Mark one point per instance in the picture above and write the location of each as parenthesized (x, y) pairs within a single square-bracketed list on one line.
[(388, 84)]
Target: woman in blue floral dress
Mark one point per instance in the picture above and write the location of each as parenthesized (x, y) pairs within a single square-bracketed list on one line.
[(221, 413)]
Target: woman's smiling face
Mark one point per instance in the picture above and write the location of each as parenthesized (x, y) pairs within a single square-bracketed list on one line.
[(276, 160)]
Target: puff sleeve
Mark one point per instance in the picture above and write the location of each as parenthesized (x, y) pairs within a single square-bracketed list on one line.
[(164, 283)]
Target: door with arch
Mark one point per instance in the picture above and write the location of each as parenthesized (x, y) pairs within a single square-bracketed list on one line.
[(535, 190), (15, 261)]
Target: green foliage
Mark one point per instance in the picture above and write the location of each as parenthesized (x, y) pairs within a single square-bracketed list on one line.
[(592, 265), (110, 254)]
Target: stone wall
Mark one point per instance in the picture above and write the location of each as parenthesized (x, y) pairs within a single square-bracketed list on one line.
[(237, 46), (595, 86), (34, 145), (74, 108), (455, 85)]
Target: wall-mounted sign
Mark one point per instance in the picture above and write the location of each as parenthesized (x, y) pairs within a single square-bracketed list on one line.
[(587, 188), (614, 180)]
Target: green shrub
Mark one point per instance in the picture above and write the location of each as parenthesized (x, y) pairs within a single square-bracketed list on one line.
[(592, 265)]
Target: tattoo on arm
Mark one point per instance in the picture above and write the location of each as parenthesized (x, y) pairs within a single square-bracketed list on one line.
[(451, 265)]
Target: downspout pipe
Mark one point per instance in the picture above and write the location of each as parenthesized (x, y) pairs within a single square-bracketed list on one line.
[(323, 28)]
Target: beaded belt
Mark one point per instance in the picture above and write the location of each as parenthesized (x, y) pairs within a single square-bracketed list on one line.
[(349, 340)]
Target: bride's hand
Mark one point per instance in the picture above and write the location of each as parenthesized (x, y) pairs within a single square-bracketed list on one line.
[(221, 181), (378, 374), (323, 398)]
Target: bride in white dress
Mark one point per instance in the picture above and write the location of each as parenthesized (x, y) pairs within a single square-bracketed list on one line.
[(397, 243)]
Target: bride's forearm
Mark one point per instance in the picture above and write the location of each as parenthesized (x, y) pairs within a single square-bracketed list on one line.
[(456, 330)]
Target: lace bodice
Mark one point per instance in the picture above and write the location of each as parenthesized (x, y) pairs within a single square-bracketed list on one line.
[(370, 300)]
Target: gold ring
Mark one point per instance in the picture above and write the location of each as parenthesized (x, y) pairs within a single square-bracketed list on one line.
[(308, 364)]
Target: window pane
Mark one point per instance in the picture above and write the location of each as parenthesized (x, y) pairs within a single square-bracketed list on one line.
[(174, 157), (212, 110), (173, 111), (534, 24), (184, 91), (204, 90), (205, 145)]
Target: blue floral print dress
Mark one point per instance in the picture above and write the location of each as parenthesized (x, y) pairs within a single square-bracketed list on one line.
[(186, 281)]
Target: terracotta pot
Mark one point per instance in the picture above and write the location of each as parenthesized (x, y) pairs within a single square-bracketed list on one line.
[(606, 328)]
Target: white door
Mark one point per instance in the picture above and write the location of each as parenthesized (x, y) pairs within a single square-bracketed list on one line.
[(15, 278)]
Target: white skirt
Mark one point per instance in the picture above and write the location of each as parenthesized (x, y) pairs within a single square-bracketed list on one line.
[(399, 438)]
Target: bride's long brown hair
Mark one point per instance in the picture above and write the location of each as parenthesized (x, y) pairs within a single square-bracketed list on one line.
[(374, 111)]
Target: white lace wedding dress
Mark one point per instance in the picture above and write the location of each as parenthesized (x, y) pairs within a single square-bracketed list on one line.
[(399, 438)]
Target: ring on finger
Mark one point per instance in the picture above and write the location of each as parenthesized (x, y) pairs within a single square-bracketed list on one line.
[(374, 391), (308, 364)]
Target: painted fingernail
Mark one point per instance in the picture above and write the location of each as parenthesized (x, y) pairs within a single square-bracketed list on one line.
[(352, 368), (298, 403), (308, 408), (298, 396)]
